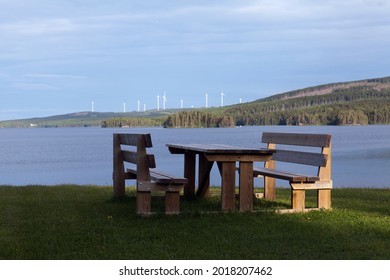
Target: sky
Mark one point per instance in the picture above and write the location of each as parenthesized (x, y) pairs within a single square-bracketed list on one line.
[(62, 56)]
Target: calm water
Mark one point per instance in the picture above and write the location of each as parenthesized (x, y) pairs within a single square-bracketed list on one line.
[(49, 156)]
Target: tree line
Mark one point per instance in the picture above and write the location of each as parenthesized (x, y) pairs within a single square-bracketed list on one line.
[(198, 118)]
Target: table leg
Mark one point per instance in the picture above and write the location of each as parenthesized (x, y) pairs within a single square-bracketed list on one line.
[(205, 167), (246, 186), (189, 173), (228, 186)]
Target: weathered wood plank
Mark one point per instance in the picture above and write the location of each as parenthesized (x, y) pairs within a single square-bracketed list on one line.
[(135, 139), (300, 139), (162, 177), (284, 175), (306, 158), (152, 186)]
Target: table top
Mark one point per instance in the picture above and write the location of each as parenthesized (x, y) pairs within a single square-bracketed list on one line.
[(216, 149)]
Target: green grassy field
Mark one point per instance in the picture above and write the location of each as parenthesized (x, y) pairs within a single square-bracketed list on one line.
[(84, 222)]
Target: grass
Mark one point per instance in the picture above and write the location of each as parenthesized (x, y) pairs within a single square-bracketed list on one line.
[(84, 222)]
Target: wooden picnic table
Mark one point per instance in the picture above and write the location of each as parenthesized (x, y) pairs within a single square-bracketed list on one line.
[(226, 158)]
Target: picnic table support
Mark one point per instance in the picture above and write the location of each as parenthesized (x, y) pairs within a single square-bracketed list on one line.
[(189, 173), (228, 186), (205, 167), (246, 194), (270, 182)]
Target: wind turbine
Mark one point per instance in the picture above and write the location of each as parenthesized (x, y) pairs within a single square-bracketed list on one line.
[(138, 103), (181, 103), (158, 102), (222, 95), (164, 100), (207, 100), (124, 107), (92, 106)]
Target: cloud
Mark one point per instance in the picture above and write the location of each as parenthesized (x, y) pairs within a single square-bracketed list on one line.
[(55, 76), (35, 86), (39, 27)]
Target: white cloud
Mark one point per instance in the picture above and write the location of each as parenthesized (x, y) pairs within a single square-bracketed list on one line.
[(35, 86), (55, 76), (39, 27)]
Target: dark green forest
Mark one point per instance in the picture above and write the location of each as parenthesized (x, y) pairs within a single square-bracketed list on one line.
[(355, 105)]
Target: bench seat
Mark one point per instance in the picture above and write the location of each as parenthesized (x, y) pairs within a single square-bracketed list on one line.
[(160, 181), (284, 175)]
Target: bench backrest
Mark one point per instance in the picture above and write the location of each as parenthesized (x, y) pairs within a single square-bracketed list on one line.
[(131, 148), (321, 159)]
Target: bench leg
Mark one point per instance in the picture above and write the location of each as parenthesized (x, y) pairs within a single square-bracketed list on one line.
[(269, 188), (172, 203), (119, 186), (298, 200), (323, 199), (144, 203)]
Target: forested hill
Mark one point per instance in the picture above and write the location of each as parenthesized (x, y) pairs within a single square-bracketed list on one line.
[(345, 103), (348, 103), (334, 88), (352, 103), (148, 118)]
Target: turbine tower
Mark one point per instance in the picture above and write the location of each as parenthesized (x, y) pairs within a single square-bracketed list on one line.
[(222, 95), (138, 106), (124, 107), (92, 106), (158, 102), (207, 100), (164, 100), (181, 103)]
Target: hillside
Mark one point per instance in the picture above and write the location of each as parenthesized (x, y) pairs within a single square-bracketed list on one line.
[(345, 103), (349, 103), (88, 119)]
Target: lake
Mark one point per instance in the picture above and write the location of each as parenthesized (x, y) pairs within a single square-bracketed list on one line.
[(50, 156)]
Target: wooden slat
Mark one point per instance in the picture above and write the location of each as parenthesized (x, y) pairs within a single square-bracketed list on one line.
[(163, 176), (147, 186), (215, 149), (299, 139), (132, 139), (292, 177), (307, 158), (312, 186), (132, 157), (129, 156)]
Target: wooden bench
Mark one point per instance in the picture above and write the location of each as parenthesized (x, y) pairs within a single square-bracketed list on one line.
[(321, 181), (132, 149)]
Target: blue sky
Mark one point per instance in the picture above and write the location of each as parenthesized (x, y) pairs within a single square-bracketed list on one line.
[(58, 56)]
